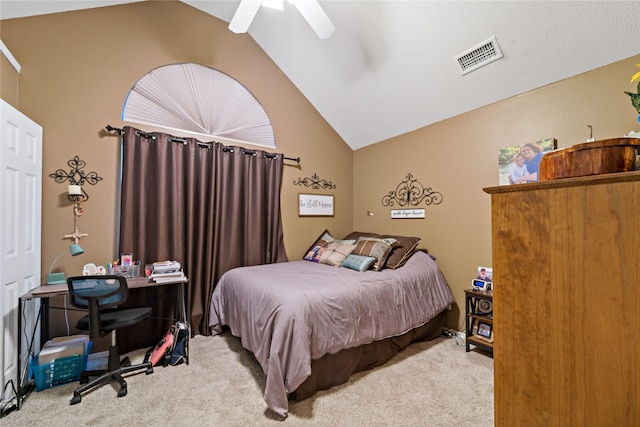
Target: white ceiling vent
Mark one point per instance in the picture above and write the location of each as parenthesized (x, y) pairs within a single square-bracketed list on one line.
[(479, 56)]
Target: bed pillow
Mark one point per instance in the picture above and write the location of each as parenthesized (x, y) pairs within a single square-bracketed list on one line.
[(402, 251), (323, 240), (355, 235), (335, 253), (314, 254), (358, 262), (375, 247)]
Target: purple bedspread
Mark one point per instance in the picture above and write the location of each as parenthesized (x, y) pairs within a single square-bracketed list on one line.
[(290, 313)]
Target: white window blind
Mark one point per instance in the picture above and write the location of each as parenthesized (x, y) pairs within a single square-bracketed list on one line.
[(200, 100)]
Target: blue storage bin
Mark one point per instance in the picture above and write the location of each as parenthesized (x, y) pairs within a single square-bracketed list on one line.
[(58, 371)]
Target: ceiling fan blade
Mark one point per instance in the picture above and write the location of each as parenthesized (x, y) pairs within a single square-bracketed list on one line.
[(244, 15), (316, 17)]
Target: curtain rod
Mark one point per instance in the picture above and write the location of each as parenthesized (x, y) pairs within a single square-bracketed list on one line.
[(184, 141), (253, 153)]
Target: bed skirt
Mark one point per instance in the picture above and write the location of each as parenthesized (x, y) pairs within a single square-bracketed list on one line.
[(335, 369)]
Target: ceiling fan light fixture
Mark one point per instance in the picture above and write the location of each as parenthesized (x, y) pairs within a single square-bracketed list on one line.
[(244, 15), (310, 10), (273, 4), (316, 17)]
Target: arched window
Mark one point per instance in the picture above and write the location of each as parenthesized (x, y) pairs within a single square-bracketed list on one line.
[(200, 100)]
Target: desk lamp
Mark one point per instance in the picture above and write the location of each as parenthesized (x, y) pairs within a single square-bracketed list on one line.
[(58, 278)]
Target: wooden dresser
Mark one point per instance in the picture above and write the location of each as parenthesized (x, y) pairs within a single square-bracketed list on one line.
[(566, 270)]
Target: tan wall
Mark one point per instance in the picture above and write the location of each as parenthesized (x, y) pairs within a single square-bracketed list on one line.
[(9, 81), (77, 69), (458, 157)]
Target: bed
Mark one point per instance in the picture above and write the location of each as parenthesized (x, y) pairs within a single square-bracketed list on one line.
[(310, 325)]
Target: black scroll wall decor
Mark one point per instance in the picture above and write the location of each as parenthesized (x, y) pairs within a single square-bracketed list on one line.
[(76, 176), (411, 192), (314, 182)]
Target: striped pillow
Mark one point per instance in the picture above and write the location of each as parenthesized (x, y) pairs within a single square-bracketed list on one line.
[(374, 247)]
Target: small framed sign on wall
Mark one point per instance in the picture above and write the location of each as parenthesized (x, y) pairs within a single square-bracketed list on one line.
[(407, 213), (315, 205)]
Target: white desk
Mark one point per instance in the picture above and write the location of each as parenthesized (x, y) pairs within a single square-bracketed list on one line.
[(45, 292)]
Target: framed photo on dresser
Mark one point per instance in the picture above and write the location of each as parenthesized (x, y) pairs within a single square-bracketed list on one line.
[(518, 164)]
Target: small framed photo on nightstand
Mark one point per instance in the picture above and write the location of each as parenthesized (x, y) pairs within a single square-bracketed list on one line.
[(484, 330), (485, 274)]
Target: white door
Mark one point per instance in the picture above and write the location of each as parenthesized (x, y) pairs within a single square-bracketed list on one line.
[(20, 213)]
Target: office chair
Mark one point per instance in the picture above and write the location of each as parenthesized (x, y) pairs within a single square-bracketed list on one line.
[(101, 295)]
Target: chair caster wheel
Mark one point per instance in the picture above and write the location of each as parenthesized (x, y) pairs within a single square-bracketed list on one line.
[(149, 370), (122, 392), (125, 362), (75, 399)]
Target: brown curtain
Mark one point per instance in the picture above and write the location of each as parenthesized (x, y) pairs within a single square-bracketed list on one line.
[(210, 207)]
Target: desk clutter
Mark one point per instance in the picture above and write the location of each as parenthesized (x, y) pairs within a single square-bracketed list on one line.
[(159, 271), (61, 360), (167, 271), (127, 271), (125, 266)]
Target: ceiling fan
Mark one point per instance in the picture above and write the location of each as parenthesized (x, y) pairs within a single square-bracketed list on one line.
[(309, 9)]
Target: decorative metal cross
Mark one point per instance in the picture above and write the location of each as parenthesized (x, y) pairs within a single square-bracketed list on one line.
[(76, 176)]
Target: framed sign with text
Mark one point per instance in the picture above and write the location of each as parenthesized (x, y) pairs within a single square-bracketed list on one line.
[(315, 205), (407, 213)]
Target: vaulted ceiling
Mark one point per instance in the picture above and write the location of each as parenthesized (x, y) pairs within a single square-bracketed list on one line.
[(388, 68)]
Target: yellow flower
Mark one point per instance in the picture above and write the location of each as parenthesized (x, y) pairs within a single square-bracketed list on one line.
[(636, 76)]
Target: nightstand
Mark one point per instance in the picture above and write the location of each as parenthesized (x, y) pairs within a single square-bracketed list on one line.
[(479, 319)]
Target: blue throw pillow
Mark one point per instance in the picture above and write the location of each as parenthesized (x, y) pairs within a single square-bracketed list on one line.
[(359, 262)]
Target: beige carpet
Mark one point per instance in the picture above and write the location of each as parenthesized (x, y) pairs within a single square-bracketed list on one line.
[(432, 383)]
